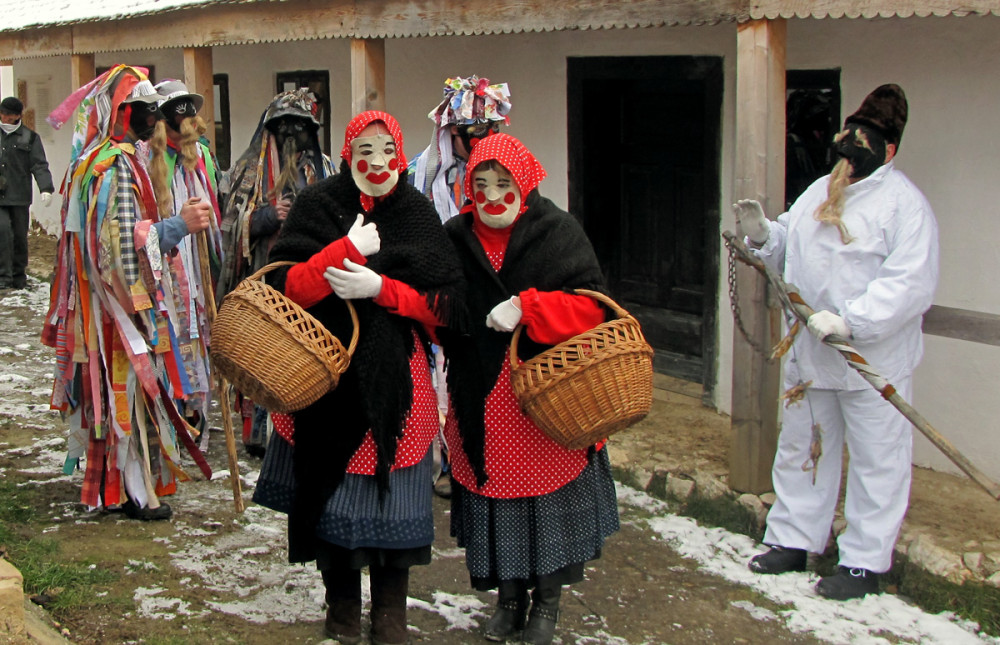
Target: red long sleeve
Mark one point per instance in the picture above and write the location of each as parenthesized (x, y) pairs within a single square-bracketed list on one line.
[(305, 283), (551, 317), (403, 300)]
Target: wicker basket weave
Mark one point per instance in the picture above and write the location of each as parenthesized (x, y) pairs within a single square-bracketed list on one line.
[(590, 386), (272, 350)]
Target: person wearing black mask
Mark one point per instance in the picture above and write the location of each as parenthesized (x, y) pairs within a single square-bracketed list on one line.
[(861, 245), (284, 156)]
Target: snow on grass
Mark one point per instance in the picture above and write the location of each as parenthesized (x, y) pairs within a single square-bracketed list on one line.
[(869, 620)]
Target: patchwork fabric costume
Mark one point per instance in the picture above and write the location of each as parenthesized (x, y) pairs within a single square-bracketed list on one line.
[(113, 320), (475, 106), (250, 224)]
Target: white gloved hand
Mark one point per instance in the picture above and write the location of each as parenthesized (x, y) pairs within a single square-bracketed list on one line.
[(46, 198), (826, 323), (505, 316), (364, 237), (751, 219), (355, 282)]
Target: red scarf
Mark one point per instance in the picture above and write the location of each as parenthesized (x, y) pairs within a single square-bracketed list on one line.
[(354, 128)]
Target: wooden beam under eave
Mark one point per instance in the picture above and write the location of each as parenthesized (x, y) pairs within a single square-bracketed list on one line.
[(367, 74), (83, 69), (760, 175), (198, 76)]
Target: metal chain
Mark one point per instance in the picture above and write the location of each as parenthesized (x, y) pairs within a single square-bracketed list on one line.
[(734, 303)]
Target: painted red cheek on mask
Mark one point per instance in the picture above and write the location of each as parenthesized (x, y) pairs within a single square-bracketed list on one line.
[(393, 163), (480, 197), (509, 198), (362, 166)]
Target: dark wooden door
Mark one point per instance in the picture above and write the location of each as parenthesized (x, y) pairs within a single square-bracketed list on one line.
[(644, 178)]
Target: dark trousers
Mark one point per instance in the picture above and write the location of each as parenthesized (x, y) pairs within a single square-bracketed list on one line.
[(13, 246)]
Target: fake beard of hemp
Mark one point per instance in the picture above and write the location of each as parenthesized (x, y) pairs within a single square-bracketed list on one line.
[(861, 151), (289, 169), (191, 130), (158, 170)]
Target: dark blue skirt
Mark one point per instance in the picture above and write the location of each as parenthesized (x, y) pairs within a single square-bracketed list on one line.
[(528, 537), (353, 518)]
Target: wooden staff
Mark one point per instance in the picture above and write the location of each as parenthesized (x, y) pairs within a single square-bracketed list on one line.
[(224, 403), (792, 302)]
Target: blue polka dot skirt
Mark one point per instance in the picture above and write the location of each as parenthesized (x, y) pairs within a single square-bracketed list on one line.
[(353, 518), (528, 537)]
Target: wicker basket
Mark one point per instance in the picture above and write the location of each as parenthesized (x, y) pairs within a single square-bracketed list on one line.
[(590, 386), (272, 350)]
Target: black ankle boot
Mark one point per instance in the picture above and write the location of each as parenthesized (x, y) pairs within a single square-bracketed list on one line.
[(541, 627), (343, 600), (512, 608)]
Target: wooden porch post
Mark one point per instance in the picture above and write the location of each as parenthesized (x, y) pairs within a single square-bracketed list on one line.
[(82, 70), (198, 77), (760, 175), (367, 74)]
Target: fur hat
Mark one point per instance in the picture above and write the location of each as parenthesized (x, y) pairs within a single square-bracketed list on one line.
[(885, 109), (12, 105)]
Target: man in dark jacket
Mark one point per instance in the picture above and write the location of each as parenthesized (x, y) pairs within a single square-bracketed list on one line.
[(21, 157)]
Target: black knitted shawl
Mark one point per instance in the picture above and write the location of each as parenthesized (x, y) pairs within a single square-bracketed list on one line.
[(548, 250), (376, 390)]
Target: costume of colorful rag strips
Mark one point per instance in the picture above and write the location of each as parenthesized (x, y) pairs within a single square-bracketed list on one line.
[(475, 106), (127, 322)]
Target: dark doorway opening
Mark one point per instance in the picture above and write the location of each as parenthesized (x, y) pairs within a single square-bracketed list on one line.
[(812, 113), (644, 159)]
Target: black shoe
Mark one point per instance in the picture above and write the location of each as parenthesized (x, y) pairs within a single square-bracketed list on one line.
[(848, 583), (779, 560), (131, 510)]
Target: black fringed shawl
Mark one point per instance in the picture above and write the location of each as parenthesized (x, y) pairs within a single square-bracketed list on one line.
[(548, 250), (376, 390)]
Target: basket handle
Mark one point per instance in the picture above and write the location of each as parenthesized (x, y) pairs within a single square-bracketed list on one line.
[(596, 295), (350, 306)]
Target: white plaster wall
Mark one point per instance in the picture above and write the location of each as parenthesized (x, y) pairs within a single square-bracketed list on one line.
[(947, 66)]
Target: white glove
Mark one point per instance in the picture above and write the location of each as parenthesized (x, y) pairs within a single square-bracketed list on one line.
[(356, 282), (826, 323), (751, 219), (46, 198), (505, 316), (364, 237)]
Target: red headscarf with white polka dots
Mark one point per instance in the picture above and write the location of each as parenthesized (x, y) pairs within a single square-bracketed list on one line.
[(354, 128), (512, 155)]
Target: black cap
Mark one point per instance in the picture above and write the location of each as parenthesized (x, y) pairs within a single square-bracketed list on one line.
[(12, 104)]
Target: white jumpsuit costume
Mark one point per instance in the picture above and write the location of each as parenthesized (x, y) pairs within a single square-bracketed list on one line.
[(881, 283)]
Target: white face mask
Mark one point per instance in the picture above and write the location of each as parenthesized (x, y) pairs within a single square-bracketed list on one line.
[(498, 199), (9, 128), (374, 164)]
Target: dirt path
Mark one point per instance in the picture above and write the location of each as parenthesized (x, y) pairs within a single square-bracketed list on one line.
[(212, 576)]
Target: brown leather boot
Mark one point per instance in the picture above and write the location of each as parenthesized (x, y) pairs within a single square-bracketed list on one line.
[(388, 614), (343, 600)]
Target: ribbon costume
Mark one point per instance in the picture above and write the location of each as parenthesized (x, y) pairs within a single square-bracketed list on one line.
[(120, 376)]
